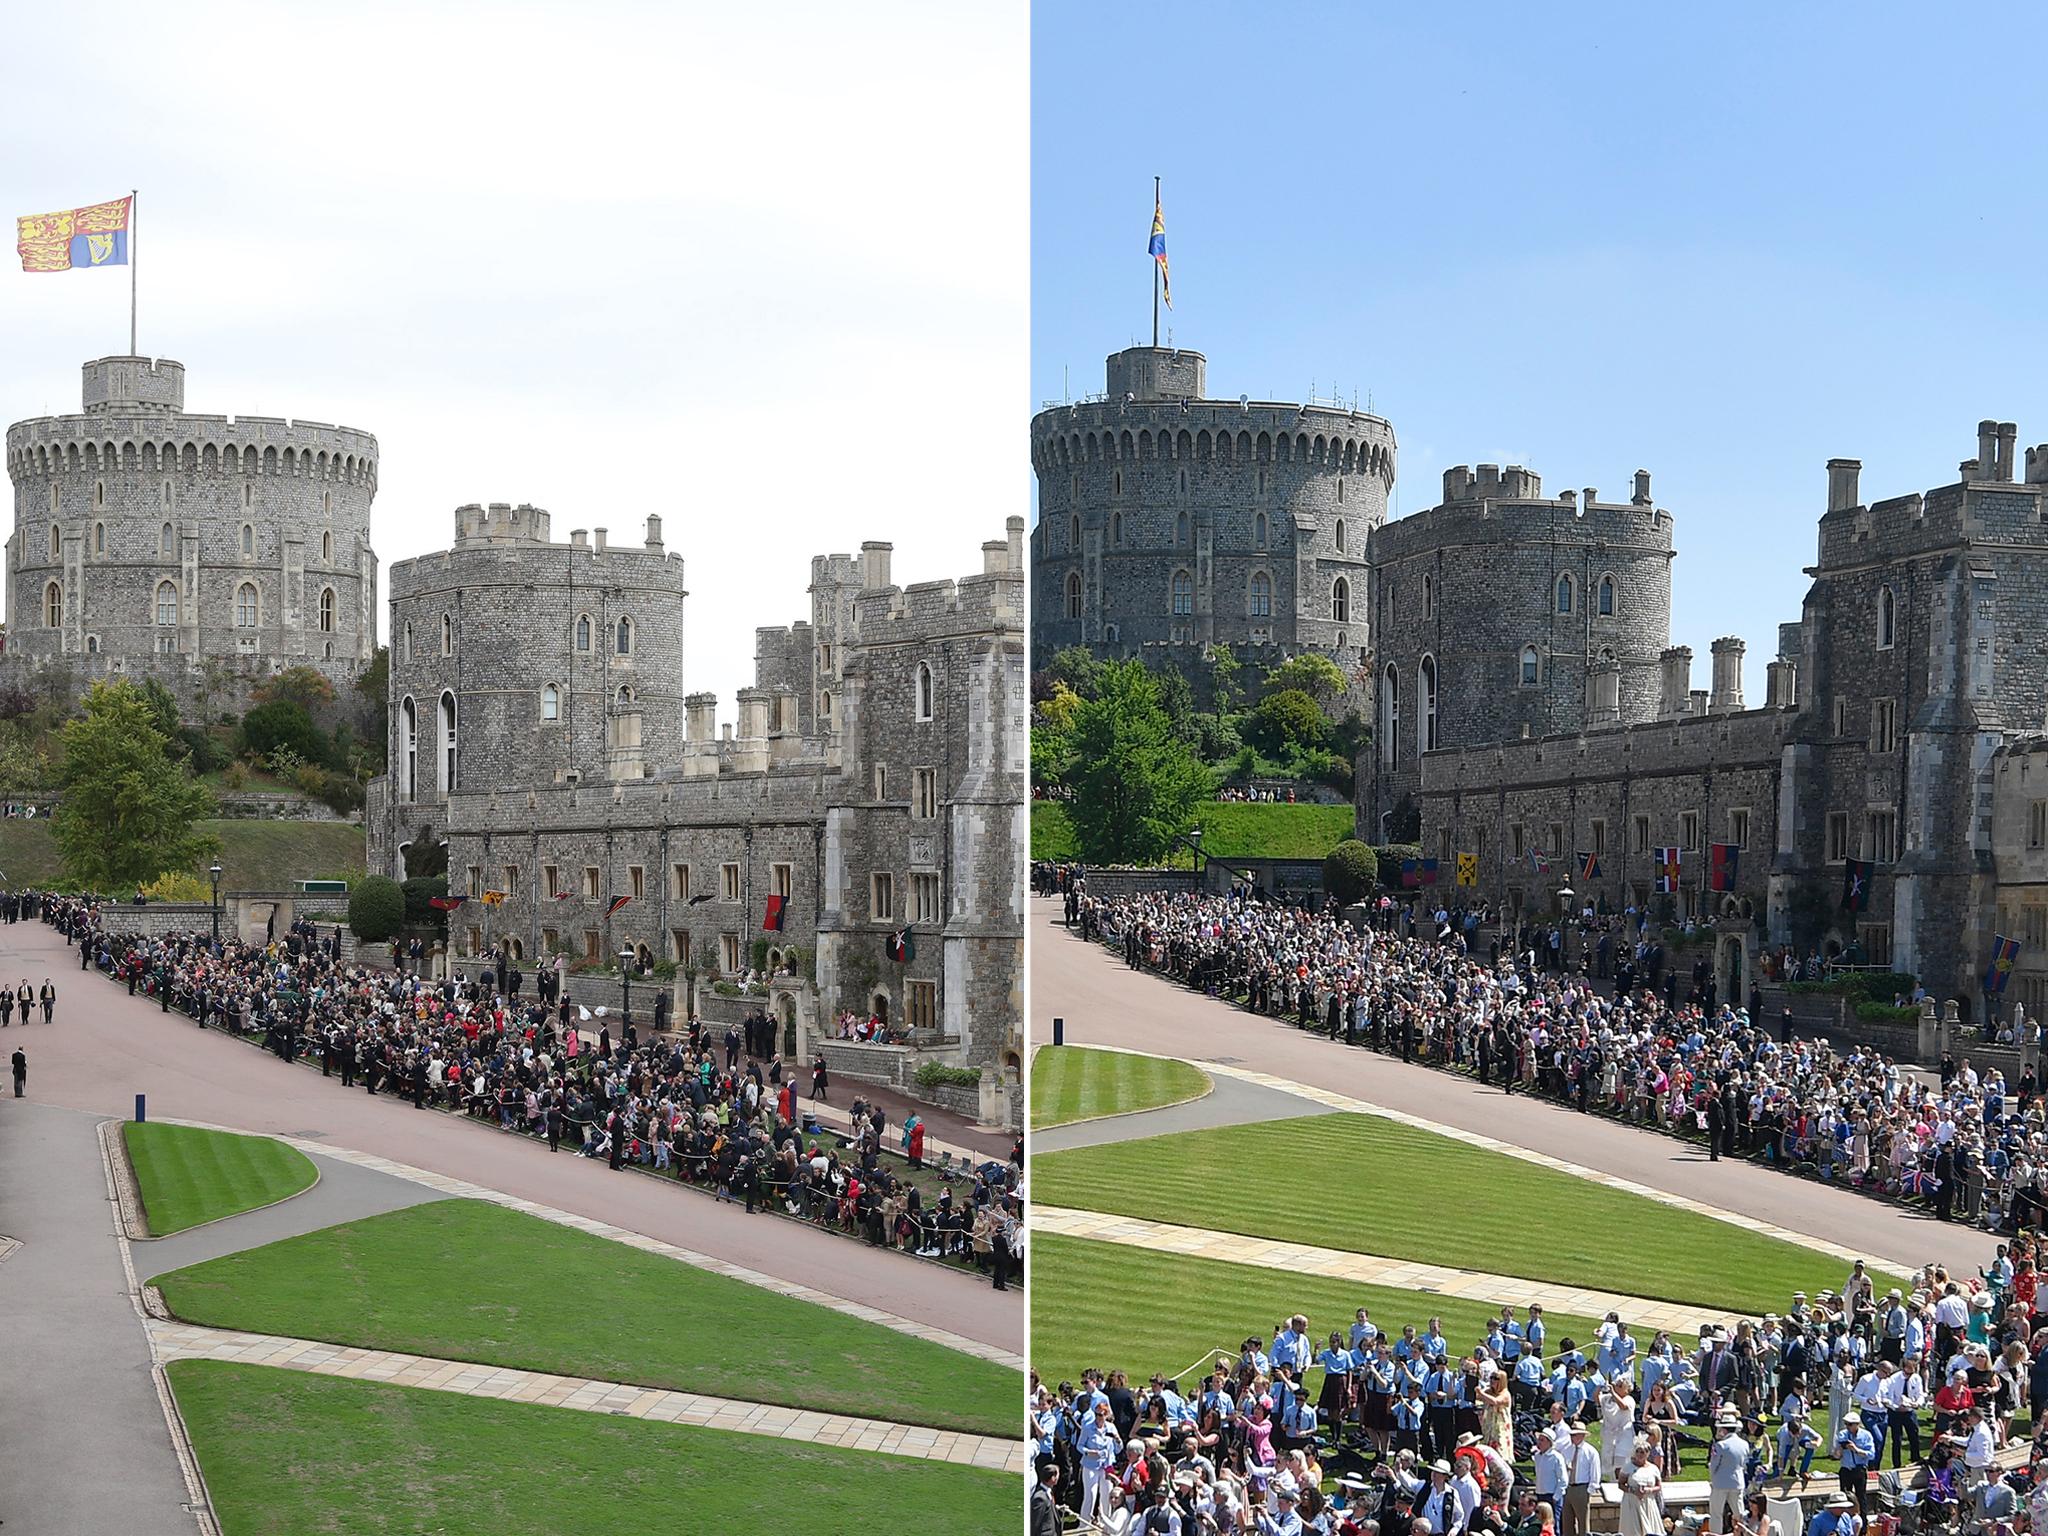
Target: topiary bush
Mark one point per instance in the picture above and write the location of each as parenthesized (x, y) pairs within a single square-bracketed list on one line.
[(1349, 871), (376, 909)]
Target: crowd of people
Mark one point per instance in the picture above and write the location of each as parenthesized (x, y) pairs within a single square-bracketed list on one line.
[(1648, 1043), (1368, 1428), (724, 1113)]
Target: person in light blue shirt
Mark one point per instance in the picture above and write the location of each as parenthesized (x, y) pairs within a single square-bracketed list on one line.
[(1291, 1345), (1618, 1354), (1408, 1416), (1858, 1451), (1838, 1518), (1798, 1441), (1099, 1443), (1433, 1342), (1510, 1337), (1407, 1347), (1364, 1332), (1656, 1361), (1529, 1384), (1535, 1332)]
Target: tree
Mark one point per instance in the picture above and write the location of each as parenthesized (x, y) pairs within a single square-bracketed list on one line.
[(1287, 721), (1349, 871), (1136, 782), (421, 892), (283, 723), (1176, 697), (1226, 674), (128, 812), (373, 715), (163, 709), (426, 854), (304, 686), (1077, 667), (1312, 673), (376, 908)]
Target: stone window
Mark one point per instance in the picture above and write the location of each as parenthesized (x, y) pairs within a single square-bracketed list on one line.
[(327, 549), (1556, 849), (1259, 530), (327, 501), (1429, 597), (550, 702), (248, 540), (824, 658), (99, 538), (1390, 714), (624, 638), (583, 632), (1116, 483), (1597, 832), (1884, 725), (636, 881), (924, 690), (550, 940), (679, 881), (881, 897), (1642, 834), (53, 606), (2034, 930), (590, 879), (447, 635), (551, 880), (924, 898), (1074, 532), (1881, 830), (1606, 598), (56, 540), (248, 495), (593, 946), (1517, 841), (825, 706), (1876, 939), (881, 781), (408, 639), (729, 953), (924, 793), (2037, 824), (1838, 837), (1180, 529), (476, 880), (408, 746), (448, 760), (922, 1008), (511, 886), (781, 880), (99, 493), (476, 942), (246, 606), (1340, 534), (1262, 595), (1887, 617), (1426, 702), (166, 541), (1531, 668), (166, 603), (1565, 593), (1340, 601), (1689, 830), (728, 882), (327, 610), (624, 696), (1183, 592), (1116, 528), (1738, 826), (679, 945), (1073, 594)]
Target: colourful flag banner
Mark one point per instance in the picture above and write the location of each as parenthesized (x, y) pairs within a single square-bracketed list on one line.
[(1670, 865), (493, 898), (1156, 248), (2004, 952), (1539, 861), (1426, 872), (771, 920), (445, 903), (1589, 867), (1856, 884), (1468, 869), (1411, 875), (78, 237), (617, 902), (1724, 860), (900, 946)]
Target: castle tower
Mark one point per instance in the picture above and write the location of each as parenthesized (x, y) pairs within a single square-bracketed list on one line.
[(1170, 519), (150, 541)]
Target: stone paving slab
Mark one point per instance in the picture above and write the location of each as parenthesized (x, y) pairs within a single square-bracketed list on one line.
[(189, 1341)]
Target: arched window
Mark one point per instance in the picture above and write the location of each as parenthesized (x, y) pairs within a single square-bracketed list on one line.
[(1116, 528), (624, 696), (1074, 532), (1183, 593), (99, 493), (924, 690), (327, 549), (1564, 593), (56, 543), (99, 538), (1606, 597), (824, 706), (1259, 530), (447, 741), (1426, 703), (583, 632), (1340, 535), (1340, 601), (327, 610), (447, 635), (1429, 597), (1887, 618), (166, 603), (550, 702), (625, 637), (1529, 666), (53, 606), (409, 747), (1073, 594), (248, 539), (248, 495), (245, 605), (1180, 529), (166, 540), (1262, 595), (1390, 714)]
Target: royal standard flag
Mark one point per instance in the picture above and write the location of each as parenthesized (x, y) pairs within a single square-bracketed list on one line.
[(1724, 861), (78, 237), (1468, 869), (1670, 866), (1157, 249), (2004, 952)]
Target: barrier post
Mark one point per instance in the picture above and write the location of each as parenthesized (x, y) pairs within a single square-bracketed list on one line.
[(141, 1108), (1059, 1031)]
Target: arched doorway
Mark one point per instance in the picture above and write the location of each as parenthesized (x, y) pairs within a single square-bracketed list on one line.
[(785, 1013), (1728, 975), (878, 1005)]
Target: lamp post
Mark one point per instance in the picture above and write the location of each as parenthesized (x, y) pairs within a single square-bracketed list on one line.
[(626, 959), (215, 872), (1193, 840), (1566, 897)]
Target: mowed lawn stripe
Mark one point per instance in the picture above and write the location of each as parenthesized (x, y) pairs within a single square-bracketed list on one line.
[(1370, 1185), (187, 1176), (1071, 1082), (468, 1280), (1134, 1310), (287, 1454)]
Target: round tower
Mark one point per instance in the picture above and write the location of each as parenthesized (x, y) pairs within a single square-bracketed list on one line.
[(147, 540), (1170, 519)]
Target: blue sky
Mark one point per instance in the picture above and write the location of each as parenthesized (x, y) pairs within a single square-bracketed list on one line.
[(1722, 244)]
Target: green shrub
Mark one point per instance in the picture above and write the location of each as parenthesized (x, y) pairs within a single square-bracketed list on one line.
[(665, 970), (342, 794), (206, 753), (1390, 858), (933, 1074), (726, 988), (376, 909), (1885, 1013), (176, 885), (420, 891), (1349, 871), (1286, 720), (236, 777), (283, 724)]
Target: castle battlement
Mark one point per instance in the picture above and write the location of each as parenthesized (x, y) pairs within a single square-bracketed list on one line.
[(1500, 507), (1688, 744)]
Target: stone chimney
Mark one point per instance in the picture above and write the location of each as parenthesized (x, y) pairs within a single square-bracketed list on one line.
[(1781, 684), (2008, 439), (600, 540), (700, 734), (1642, 495), (995, 557), (1699, 702), (1014, 528), (1987, 450), (1674, 671), (654, 533), (1842, 477), (1727, 695), (579, 538), (874, 565)]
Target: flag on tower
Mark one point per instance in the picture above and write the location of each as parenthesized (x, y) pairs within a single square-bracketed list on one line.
[(78, 237), (1670, 865), (1723, 861), (1157, 248), (2004, 952)]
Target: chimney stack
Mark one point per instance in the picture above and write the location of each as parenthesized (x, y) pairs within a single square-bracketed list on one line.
[(1842, 475), (1727, 695), (1642, 495), (1987, 450), (1674, 680), (874, 565), (654, 533)]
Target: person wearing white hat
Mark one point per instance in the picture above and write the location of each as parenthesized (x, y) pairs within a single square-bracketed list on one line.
[(1835, 1518), (1437, 1506), (1727, 1472), (1582, 1471), (1858, 1452)]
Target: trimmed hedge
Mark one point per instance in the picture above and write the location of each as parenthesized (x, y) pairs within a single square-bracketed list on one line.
[(933, 1074)]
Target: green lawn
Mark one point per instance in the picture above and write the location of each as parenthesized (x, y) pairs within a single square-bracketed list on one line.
[(255, 855), (187, 1176), (467, 1280), (1069, 1083), (1230, 830), (1130, 1309), (289, 1454), (1384, 1188)]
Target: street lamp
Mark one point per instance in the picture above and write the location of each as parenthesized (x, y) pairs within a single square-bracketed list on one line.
[(215, 871), (626, 958), (1193, 840), (1566, 899)]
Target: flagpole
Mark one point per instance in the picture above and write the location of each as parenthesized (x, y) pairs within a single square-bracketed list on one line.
[(134, 199), (1155, 273)]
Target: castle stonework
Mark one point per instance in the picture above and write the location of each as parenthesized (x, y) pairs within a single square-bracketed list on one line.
[(208, 552)]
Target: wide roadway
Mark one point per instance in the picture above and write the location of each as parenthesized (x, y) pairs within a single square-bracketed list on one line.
[(105, 1047), (1104, 1002)]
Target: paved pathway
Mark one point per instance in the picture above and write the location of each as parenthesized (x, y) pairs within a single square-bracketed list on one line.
[(1106, 1003), (185, 1341), (345, 1192), (105, 1047), (1229, 1101), (1639, 1312), (87, 1446)]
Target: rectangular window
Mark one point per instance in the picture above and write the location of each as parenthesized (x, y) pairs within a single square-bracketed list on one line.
[(728, 882), (591, 889), (1689, 830), (1599, 837), (1883, 836), (551, 879), (2037, 823), (924, 793), (1876, 939), (924, 898), (1515, 846), (592, 946), (881, 782), (476, 880), (476, 941), (882, 898), (2034, 993), (2034, 933), (729, 952), (1479, 842), (1884, 725), (679, 881), (1557, 837), (1642, 834), (511, 885), (1738, 826), (1838, 837), (550, 941), (780, 880), (636, 880), (924, 1005)]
